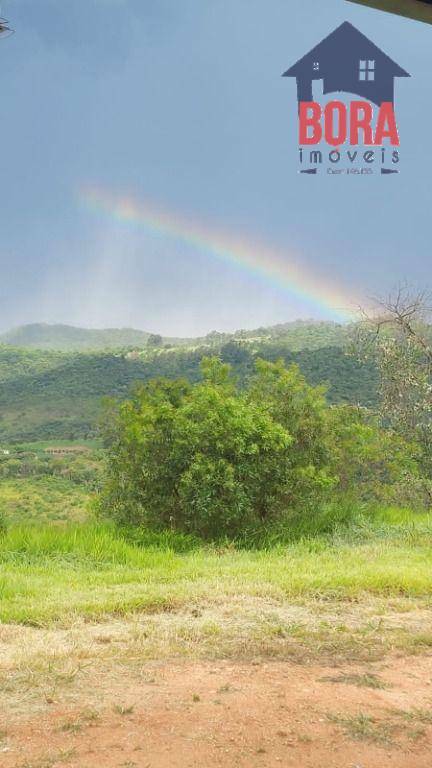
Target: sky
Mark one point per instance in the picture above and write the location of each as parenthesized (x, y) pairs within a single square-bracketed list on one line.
[(181, 106)]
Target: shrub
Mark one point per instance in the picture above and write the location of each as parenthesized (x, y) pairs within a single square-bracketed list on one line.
[(209, 460), (374, 464), (214, 461)]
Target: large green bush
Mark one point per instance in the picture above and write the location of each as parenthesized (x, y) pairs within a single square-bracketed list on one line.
[(212, 460)]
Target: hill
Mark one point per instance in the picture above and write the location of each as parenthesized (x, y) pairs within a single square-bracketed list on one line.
[(67, 338), (46, 394)]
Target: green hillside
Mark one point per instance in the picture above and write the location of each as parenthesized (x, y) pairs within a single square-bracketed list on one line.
[(47, 394), (67, 338)]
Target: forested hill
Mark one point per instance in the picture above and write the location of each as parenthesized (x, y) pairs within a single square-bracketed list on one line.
[(67, 338), (53, 395)]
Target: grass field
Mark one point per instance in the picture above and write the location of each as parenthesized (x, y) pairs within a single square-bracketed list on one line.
[(51, 574)]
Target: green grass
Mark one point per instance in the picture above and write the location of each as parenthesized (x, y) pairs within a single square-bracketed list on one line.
[(42, 500), (387, 730), (363, 727), (51, 573)]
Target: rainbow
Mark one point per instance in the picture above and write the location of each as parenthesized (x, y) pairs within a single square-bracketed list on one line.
[(283, 271)]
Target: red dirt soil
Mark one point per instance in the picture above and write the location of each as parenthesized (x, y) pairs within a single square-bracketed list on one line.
[(207, 714)]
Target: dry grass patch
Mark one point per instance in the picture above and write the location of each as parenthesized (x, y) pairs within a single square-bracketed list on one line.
[(50, 760), (366, 680)]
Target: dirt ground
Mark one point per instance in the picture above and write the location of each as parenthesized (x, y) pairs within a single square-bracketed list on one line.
[(176, 715), (245, 684)]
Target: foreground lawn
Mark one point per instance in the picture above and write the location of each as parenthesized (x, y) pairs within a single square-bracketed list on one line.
[(50, 574)]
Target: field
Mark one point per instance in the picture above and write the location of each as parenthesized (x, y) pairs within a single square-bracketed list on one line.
[(170, 653)]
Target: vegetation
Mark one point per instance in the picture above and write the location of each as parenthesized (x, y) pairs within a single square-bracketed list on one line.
[(51, 395), (215, 460), (399, 341), (42, 500), (66, 338), (78, 463), (45, 482), (57, 573), (295, 486)]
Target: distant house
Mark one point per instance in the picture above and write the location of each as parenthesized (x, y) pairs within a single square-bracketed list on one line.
[(347, 61)]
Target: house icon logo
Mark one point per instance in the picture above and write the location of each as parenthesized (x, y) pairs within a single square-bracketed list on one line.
[(347, 62)]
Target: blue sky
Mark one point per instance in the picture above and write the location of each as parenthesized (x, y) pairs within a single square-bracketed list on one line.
[(182, 103)]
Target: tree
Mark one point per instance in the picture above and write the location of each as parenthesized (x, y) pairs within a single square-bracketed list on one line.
[(372, 463), (154, 340), (398, 338)]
